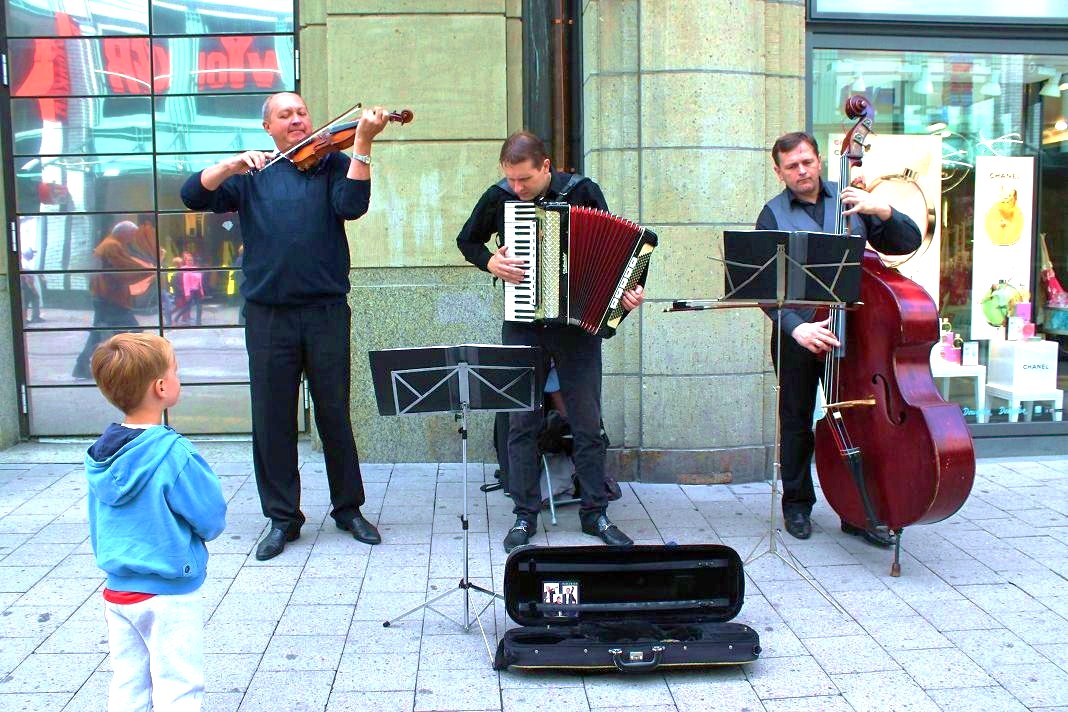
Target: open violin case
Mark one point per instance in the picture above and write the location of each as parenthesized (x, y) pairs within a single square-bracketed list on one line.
[(632, 609)]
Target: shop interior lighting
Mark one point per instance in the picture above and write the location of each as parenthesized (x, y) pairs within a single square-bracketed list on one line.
[(1061, 125), (924, 85), (993, 86), (936, 127)]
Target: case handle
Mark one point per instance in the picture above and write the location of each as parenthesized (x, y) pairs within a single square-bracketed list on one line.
[(624, 665)]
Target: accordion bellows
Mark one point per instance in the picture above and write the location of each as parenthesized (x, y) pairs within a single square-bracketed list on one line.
[(580, 261)]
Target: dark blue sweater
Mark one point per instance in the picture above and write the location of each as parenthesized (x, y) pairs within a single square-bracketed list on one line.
[(292, 226)]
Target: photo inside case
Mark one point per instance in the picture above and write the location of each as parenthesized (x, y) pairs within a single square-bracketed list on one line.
[(564, 594)]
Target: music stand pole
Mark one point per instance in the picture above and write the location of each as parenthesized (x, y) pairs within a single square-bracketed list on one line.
[(774, 535), (465, 585)]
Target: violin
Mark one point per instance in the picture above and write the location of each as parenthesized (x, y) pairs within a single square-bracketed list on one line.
[(336, 138)]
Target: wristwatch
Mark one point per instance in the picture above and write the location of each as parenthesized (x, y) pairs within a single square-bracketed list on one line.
[(362, 158)]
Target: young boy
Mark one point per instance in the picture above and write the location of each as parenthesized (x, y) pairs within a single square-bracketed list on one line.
[(153, 502)]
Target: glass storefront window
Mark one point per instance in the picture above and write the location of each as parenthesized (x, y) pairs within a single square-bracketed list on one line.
[(1045, 11), (217, 17), (220, 65), (233, 123), (974, 147), (113, 103), (56, 18), (114, 124)]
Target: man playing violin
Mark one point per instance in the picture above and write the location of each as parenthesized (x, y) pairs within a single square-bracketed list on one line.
[(528, 176), (297, 319), (807, 203)]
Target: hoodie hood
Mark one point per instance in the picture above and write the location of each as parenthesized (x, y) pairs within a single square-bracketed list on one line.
[(118, 477)]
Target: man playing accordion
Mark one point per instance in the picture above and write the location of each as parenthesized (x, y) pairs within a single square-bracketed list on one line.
[(528, 176)]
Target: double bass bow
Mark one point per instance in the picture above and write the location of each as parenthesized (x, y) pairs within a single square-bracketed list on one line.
[(890, 451)]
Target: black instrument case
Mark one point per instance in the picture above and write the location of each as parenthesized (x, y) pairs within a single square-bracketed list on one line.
[(632, 609)]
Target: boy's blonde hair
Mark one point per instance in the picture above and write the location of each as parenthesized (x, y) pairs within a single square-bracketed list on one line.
[(125, 366)]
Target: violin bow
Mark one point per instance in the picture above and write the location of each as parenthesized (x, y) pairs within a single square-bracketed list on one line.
[(312, 136)]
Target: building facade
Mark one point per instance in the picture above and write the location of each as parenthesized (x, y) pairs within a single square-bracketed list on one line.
[(673, 109)]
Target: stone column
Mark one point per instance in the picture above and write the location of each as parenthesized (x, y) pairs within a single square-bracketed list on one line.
[(683, 100), (456, 64)]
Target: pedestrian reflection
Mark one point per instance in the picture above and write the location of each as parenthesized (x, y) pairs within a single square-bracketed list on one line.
[(113, 292)]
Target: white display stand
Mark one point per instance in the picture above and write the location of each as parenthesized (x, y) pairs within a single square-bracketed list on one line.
[(1024, 372), (945, 370)]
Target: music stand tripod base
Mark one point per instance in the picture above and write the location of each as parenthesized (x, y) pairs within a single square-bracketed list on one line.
[(457, 379), (786, 269)]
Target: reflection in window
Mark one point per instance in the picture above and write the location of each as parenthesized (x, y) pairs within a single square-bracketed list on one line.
[(90, 67), (219, 17), (195, 65), (214, 239), (946, 10), (56, 18), (215, 409), (70, 411), (79, 184), (210, 355), (116, 124), (62, 357), (965, 134), (67, 242), (172, 171), (228, 122), (200, 297)]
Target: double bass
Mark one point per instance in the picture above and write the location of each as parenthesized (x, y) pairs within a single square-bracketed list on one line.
[(890, 451)]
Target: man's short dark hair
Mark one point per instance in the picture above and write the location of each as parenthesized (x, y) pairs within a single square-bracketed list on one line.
[(523, 146), (790, 141)]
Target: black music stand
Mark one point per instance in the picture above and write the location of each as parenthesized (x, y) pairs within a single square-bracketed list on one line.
[(776, 269), (457, 379)]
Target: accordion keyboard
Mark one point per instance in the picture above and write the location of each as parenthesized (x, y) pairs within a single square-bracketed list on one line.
[(520, 237)]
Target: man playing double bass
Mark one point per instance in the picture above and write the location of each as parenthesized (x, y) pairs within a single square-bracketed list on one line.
[(807, 203)]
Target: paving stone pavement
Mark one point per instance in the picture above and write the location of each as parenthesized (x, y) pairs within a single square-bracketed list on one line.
[(977, 621)]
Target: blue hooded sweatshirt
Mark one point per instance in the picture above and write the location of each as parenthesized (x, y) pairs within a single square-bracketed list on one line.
[(153, 502)]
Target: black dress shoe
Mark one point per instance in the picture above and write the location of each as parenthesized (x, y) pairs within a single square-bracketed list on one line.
[(880, 536), (606, 531), (274, 543), (520, 533), (362, 530), (798, 524)]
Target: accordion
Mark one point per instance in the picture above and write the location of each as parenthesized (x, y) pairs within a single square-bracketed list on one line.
[(579, 262)]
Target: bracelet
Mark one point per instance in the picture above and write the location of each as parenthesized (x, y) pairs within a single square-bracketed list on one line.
[(362, 158)]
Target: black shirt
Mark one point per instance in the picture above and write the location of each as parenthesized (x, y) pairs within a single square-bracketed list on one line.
[(292, 227), (487, 218)]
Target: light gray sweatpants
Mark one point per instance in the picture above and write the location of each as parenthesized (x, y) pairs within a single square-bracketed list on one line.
[(157, 654)]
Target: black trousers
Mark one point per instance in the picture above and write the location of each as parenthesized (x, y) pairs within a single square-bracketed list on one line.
[(799, 373), (577, 355), (282, 343)]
